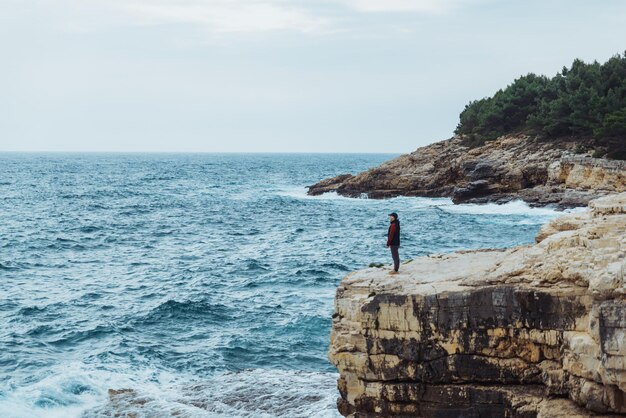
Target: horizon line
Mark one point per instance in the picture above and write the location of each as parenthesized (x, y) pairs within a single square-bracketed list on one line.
[(196, 152)]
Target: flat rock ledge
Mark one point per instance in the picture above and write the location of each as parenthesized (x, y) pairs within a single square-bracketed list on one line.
[(531, 331)]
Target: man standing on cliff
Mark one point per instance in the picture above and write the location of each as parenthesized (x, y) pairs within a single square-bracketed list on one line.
[(393, 241)]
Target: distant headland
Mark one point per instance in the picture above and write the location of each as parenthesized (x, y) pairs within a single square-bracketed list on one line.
[(559, 141)]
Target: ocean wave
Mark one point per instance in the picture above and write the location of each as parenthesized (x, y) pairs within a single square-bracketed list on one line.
[(256, 265), (72, 338), (174, 310), (13, 265), (312, 272), (159, 178), (61, 394), (192, 278), (71, 390), (516, 207), (61, 243), (250, 232), (77, 390), (41, 330), (8, 305), (337, 266), (31, 310), (301, 193), (87, 229)]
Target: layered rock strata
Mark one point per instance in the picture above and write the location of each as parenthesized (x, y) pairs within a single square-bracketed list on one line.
[(531, 331), (511, 167)]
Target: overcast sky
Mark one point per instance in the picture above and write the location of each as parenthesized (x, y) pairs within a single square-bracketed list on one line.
[(274, 75)]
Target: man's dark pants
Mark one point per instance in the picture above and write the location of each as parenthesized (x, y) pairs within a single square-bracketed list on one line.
[(395, 256)]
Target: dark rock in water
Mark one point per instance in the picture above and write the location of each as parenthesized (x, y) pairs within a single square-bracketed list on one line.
[(328, 185), (534, 331), (511, 167), (473, 190)]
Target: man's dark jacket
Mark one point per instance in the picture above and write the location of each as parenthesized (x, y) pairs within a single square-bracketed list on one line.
[(393, 235)]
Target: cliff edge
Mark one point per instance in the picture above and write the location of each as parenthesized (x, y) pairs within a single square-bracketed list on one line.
[(531, 331), (511, 167)]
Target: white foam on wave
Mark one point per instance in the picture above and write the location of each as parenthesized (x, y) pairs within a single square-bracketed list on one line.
[(77, 390), (301, 193), (71, 389), (515, 207)]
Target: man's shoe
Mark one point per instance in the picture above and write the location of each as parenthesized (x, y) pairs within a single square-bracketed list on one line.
[(393, 272)]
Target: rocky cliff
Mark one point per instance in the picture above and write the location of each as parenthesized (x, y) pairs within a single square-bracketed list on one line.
[(532, 331), (511, 167)]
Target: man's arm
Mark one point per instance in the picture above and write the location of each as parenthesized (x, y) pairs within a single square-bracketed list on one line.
[(392, 233)]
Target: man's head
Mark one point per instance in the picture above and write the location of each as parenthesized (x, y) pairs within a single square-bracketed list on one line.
[(393, 216)]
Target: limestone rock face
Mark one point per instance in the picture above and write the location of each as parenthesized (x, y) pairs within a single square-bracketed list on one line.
[(511, 167), (531, 331)]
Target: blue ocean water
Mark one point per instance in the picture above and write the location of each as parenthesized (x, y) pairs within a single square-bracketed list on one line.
[(204, 283)]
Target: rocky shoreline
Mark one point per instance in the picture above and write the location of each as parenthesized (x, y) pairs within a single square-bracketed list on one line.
[(531, 331), (509, 168)]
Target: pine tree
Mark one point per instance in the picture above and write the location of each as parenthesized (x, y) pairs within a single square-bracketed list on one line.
[(586, 101)]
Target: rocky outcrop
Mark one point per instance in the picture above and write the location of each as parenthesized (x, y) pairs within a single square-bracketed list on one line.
[(531, 331), (511, 167)]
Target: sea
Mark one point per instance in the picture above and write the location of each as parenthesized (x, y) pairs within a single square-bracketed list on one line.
[(195, 285)]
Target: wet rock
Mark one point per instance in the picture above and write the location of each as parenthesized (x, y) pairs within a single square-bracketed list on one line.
[(473, 190), (328, 185)]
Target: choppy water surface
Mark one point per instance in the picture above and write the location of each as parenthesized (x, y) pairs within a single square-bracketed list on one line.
[(202, 282)]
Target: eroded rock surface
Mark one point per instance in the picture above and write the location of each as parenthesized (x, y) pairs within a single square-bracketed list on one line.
[(511, 167), (531, 331)]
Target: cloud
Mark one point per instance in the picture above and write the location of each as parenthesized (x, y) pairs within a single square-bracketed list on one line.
[(224, 16), (414, 6), (228, 15), (262, 15)]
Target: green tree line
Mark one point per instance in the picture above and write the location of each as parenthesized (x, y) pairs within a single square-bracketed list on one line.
[(585, 101)]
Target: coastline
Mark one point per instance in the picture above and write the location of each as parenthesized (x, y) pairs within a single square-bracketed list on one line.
[(541, 173), (532, 331)]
